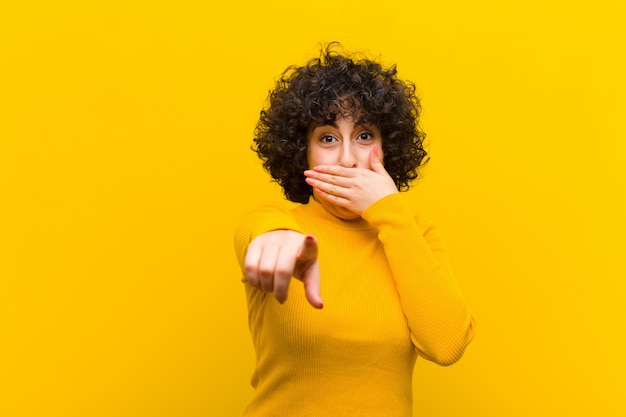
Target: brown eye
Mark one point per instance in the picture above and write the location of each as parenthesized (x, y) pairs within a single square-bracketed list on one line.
[(327, 139), (365, 136)]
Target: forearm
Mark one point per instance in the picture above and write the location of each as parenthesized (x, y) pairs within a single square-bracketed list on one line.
[(441, 325), (258, 221)]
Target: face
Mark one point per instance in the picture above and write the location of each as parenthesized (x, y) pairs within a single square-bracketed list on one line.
[(346, 144)]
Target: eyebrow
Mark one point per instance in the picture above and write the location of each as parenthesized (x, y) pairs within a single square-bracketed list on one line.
[(316, 125)]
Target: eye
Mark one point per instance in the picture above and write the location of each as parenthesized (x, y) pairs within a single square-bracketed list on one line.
[(366, 136), (327, 139)]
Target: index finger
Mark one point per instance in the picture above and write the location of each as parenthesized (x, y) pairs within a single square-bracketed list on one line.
[(336, 170), (312, 286)]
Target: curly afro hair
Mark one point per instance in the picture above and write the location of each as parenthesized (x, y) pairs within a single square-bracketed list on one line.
[(329, 87)]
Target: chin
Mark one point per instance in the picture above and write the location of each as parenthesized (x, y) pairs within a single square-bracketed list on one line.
[(341, 212)]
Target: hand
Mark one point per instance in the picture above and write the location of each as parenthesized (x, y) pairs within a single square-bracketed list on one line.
[(274, 257), (353, 188)]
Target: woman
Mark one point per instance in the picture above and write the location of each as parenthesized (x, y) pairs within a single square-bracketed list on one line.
[(341, 136)]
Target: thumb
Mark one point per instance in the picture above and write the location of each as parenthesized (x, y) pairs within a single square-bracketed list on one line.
[(308, 250), (375, 163)]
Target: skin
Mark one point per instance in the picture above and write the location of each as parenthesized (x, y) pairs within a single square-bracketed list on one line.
[(347, 176)]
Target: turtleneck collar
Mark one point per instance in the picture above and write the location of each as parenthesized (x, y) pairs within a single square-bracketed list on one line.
[(315, 209)]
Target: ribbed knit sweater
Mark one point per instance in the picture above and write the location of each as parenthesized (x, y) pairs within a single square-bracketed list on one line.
[(389, 296)]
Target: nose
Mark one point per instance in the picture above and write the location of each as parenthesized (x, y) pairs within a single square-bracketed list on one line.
[(347, 158)]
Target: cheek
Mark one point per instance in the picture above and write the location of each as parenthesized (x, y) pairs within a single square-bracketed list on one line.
[(311, 159), (363, 158), (316, 156), (312, 156)]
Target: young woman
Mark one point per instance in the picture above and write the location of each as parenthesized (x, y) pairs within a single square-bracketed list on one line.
[(341, 136)]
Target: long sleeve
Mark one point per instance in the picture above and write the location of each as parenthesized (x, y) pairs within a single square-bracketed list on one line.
[(389, 297), (258, 221), (440, 323)]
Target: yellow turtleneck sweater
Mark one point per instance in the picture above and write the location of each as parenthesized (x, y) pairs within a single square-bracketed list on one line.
[(389, 296)]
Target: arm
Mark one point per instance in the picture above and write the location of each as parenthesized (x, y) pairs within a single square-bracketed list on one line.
[(441, 325)]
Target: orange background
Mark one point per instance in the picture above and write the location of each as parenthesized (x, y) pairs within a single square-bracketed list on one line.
[(125, 165)]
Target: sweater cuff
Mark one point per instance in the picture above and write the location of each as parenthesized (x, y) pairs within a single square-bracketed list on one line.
[(391, 209), (261, 220), (270, 217)]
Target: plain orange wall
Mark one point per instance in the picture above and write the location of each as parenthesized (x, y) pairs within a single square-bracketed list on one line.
[(125, 164)]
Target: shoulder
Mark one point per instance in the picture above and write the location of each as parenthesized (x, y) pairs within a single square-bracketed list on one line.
[(264, 218), (259, 220)]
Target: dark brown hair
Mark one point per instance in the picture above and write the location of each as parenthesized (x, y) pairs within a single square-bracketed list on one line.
[(318, 93)]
